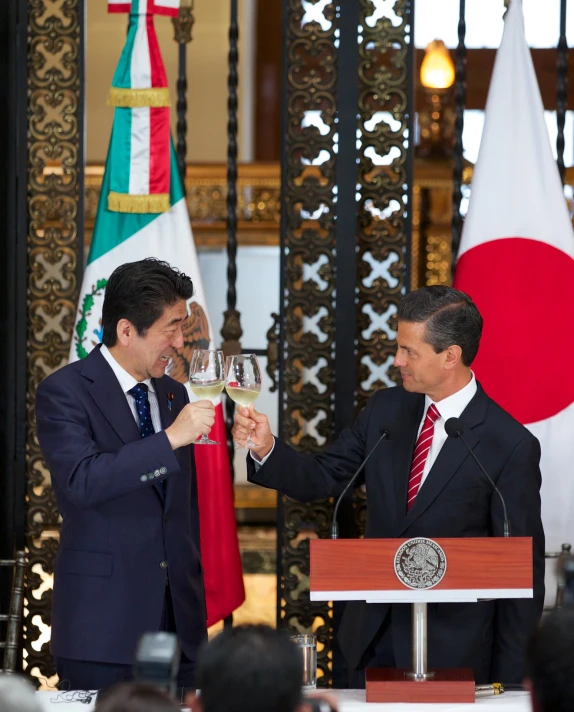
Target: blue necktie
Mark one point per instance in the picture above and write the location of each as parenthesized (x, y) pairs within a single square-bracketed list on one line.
[(140, 394)]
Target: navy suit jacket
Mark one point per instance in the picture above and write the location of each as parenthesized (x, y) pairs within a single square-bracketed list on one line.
[(121, 537), (455, 500)]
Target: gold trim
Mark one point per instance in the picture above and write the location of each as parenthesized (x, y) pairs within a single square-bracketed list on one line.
[(131, 98), (253, 497), (125, 203)]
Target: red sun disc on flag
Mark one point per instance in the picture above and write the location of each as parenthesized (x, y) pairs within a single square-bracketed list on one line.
[(524, 290)]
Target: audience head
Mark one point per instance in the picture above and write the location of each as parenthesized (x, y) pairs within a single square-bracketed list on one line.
[(550, 663), (17, 695), (135, 697), (252, 667)]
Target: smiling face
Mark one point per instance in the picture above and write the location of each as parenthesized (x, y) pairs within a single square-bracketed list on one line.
[(147, 355), (422, 369)]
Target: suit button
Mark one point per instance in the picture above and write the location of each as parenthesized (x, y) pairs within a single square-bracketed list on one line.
[(157, 473), (163, 470), (163, 564), (143, 478)]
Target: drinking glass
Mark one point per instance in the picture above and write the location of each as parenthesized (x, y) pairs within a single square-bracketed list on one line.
[(206, 379), (307, 644), (243, 382)]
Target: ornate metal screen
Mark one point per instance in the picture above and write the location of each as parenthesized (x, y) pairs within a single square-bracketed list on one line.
[(55, 232), (312, 276), (308, 243)]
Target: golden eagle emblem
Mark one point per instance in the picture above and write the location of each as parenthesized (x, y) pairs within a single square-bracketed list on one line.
[(196, 336)]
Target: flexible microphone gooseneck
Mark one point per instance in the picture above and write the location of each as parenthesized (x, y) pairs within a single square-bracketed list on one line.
[(334, 523), (455, 429)]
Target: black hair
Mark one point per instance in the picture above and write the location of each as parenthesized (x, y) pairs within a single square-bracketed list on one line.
[(250, 667), (452, 318), (135, 697), (550, 662), (140, 292)]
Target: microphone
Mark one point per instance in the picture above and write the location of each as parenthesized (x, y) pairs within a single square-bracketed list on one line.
[(455, 429), (334, 523)]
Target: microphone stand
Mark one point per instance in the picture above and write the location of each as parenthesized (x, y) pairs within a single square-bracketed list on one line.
[(334, 523)]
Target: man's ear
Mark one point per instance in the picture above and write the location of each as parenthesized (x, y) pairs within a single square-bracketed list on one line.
[(124, 331), (453, 357), (529, 687)]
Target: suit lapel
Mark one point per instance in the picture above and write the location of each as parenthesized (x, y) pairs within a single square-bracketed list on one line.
[(450, 458), (107, 394), (166, 413)]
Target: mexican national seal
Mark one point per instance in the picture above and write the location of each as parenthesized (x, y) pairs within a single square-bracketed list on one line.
[(420, 563)]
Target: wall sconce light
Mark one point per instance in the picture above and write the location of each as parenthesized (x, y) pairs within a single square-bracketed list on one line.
[(437, 68), (436, 117)]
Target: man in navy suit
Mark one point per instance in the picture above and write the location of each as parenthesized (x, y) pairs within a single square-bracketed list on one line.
[(420, 483), (117, 434)]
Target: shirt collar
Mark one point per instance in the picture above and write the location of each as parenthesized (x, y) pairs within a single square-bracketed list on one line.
[(127, 381), (453, 406)]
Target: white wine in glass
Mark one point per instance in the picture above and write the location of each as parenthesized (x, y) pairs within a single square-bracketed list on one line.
[(206, 379), (243, 382)]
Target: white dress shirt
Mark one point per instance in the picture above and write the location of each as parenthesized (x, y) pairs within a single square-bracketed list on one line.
[(450, 407), (127, 382)]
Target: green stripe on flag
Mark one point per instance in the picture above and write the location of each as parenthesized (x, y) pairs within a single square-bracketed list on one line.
[(123, 74), (119, 154), (111, 229)]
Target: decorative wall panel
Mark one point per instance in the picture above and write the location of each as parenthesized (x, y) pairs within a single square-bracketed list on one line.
[(308, 235), (384, 185), (310, 271), (55, 200)]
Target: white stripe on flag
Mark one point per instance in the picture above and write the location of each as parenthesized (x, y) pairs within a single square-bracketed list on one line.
[(140, 69), (173, 4), (139, 159)]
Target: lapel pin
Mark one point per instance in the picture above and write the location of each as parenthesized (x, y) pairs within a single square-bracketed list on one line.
[(170, 397)]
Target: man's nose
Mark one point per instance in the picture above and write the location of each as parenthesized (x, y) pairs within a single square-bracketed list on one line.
[(177, 341)]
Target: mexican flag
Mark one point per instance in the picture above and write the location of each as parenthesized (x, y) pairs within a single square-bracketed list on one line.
[(142, 213), (516, 261)]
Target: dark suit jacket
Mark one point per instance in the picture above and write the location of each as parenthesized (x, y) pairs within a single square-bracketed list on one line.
[(455, 500), (118, 530)]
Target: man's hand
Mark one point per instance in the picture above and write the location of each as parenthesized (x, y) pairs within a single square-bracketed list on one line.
[(249, 422), (194, 420)]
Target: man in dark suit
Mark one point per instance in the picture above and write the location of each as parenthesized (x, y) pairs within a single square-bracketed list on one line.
[(116, 434), (422, 483)]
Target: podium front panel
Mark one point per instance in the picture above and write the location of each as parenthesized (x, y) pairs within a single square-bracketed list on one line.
[(476, 568)]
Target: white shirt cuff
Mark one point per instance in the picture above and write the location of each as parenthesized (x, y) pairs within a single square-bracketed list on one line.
[(260, 463)]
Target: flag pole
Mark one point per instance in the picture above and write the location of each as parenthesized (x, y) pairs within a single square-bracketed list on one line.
[(182, 27), (459, 105), (561, 89), (231, 330)]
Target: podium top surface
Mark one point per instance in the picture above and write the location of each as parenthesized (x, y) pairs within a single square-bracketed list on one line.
[(473, 569)]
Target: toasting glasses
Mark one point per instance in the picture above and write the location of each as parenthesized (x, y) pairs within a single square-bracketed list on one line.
[(243, 382), (206, 379)]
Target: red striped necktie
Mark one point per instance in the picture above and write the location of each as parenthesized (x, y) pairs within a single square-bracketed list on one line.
[(422, 448)]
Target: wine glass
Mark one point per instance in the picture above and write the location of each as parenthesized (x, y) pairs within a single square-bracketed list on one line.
[(206, 379), (243, 382)]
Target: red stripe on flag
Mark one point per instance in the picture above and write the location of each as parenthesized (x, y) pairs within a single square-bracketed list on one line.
[(167, 11), (221, 560), (158, 75), (159, 150), (120, 7)]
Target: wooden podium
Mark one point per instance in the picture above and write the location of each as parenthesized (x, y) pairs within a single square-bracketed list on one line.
[(475, 568)]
